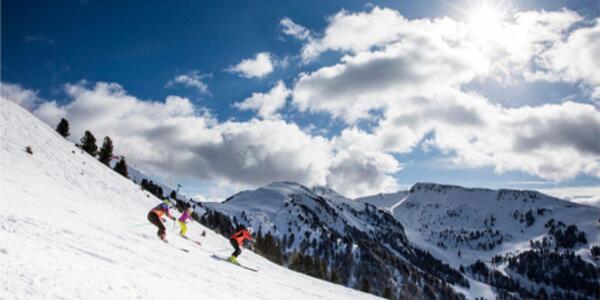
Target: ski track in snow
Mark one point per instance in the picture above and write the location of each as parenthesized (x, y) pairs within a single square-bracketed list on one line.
[(71, 228), (393, 207)]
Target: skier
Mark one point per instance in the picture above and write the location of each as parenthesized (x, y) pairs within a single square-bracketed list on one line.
[(155, 217), (237, 240), (182, 220)]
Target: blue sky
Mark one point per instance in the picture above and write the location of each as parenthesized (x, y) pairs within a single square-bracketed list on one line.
[(144, 45)]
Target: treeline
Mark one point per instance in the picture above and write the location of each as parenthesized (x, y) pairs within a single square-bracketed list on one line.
[(505, 285), (565, 236), (564, 270), (88, 145), (352, 258), (153, 188), (566, 275)]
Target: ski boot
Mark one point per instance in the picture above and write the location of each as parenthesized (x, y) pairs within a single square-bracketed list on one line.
[(232, 259)]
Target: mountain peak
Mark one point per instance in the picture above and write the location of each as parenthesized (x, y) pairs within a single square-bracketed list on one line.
[(327, 192), (440, 187)]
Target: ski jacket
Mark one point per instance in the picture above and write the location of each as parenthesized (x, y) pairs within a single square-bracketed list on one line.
[(162, 209), (184, 216), (241, 236)]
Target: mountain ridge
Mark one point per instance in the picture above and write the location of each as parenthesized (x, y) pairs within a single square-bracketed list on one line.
[(463, 227), (472, 227)]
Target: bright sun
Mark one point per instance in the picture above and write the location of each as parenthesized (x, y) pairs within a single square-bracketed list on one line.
[(485, 18)]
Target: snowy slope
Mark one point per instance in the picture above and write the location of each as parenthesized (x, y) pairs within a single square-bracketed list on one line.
[(71, 228), (433, 213), (463, 225)]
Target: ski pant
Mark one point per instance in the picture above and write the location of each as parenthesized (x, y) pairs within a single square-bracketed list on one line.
[(235, 245), (154, 219), (183, 227)]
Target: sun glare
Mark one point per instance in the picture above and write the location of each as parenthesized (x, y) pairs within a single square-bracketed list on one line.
[(485, 18)]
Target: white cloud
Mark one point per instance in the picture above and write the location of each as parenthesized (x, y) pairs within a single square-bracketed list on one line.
[(358, 169), (17, 94), (582, 195), (574, 59), (413, 77), (282, 62), (512, 49), (372, 80), (523, 41), (174, 138), (259, 66), (356, 32), (267, 104), (192, 79), (298, 31), (553, 141)]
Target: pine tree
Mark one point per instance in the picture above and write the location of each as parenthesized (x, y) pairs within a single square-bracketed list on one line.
[(106, 152), (334, 276), (387, 293), (88, 143), (121, 167), (63, 128), (365, 286), (542, 295)]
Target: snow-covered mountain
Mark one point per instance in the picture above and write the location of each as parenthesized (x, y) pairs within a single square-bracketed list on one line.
[(499, 228), (72, 228), (345, 241)]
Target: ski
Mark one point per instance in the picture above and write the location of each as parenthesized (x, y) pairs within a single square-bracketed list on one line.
[(193, 241), (238, 264)]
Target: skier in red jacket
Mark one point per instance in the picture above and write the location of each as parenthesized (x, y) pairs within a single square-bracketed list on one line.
[(237, 240)]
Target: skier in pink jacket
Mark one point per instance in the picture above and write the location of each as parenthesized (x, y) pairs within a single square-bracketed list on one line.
[(186, 215)]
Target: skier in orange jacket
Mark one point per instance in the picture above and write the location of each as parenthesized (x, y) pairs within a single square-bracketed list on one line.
[(237, 240), (155, 216)]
